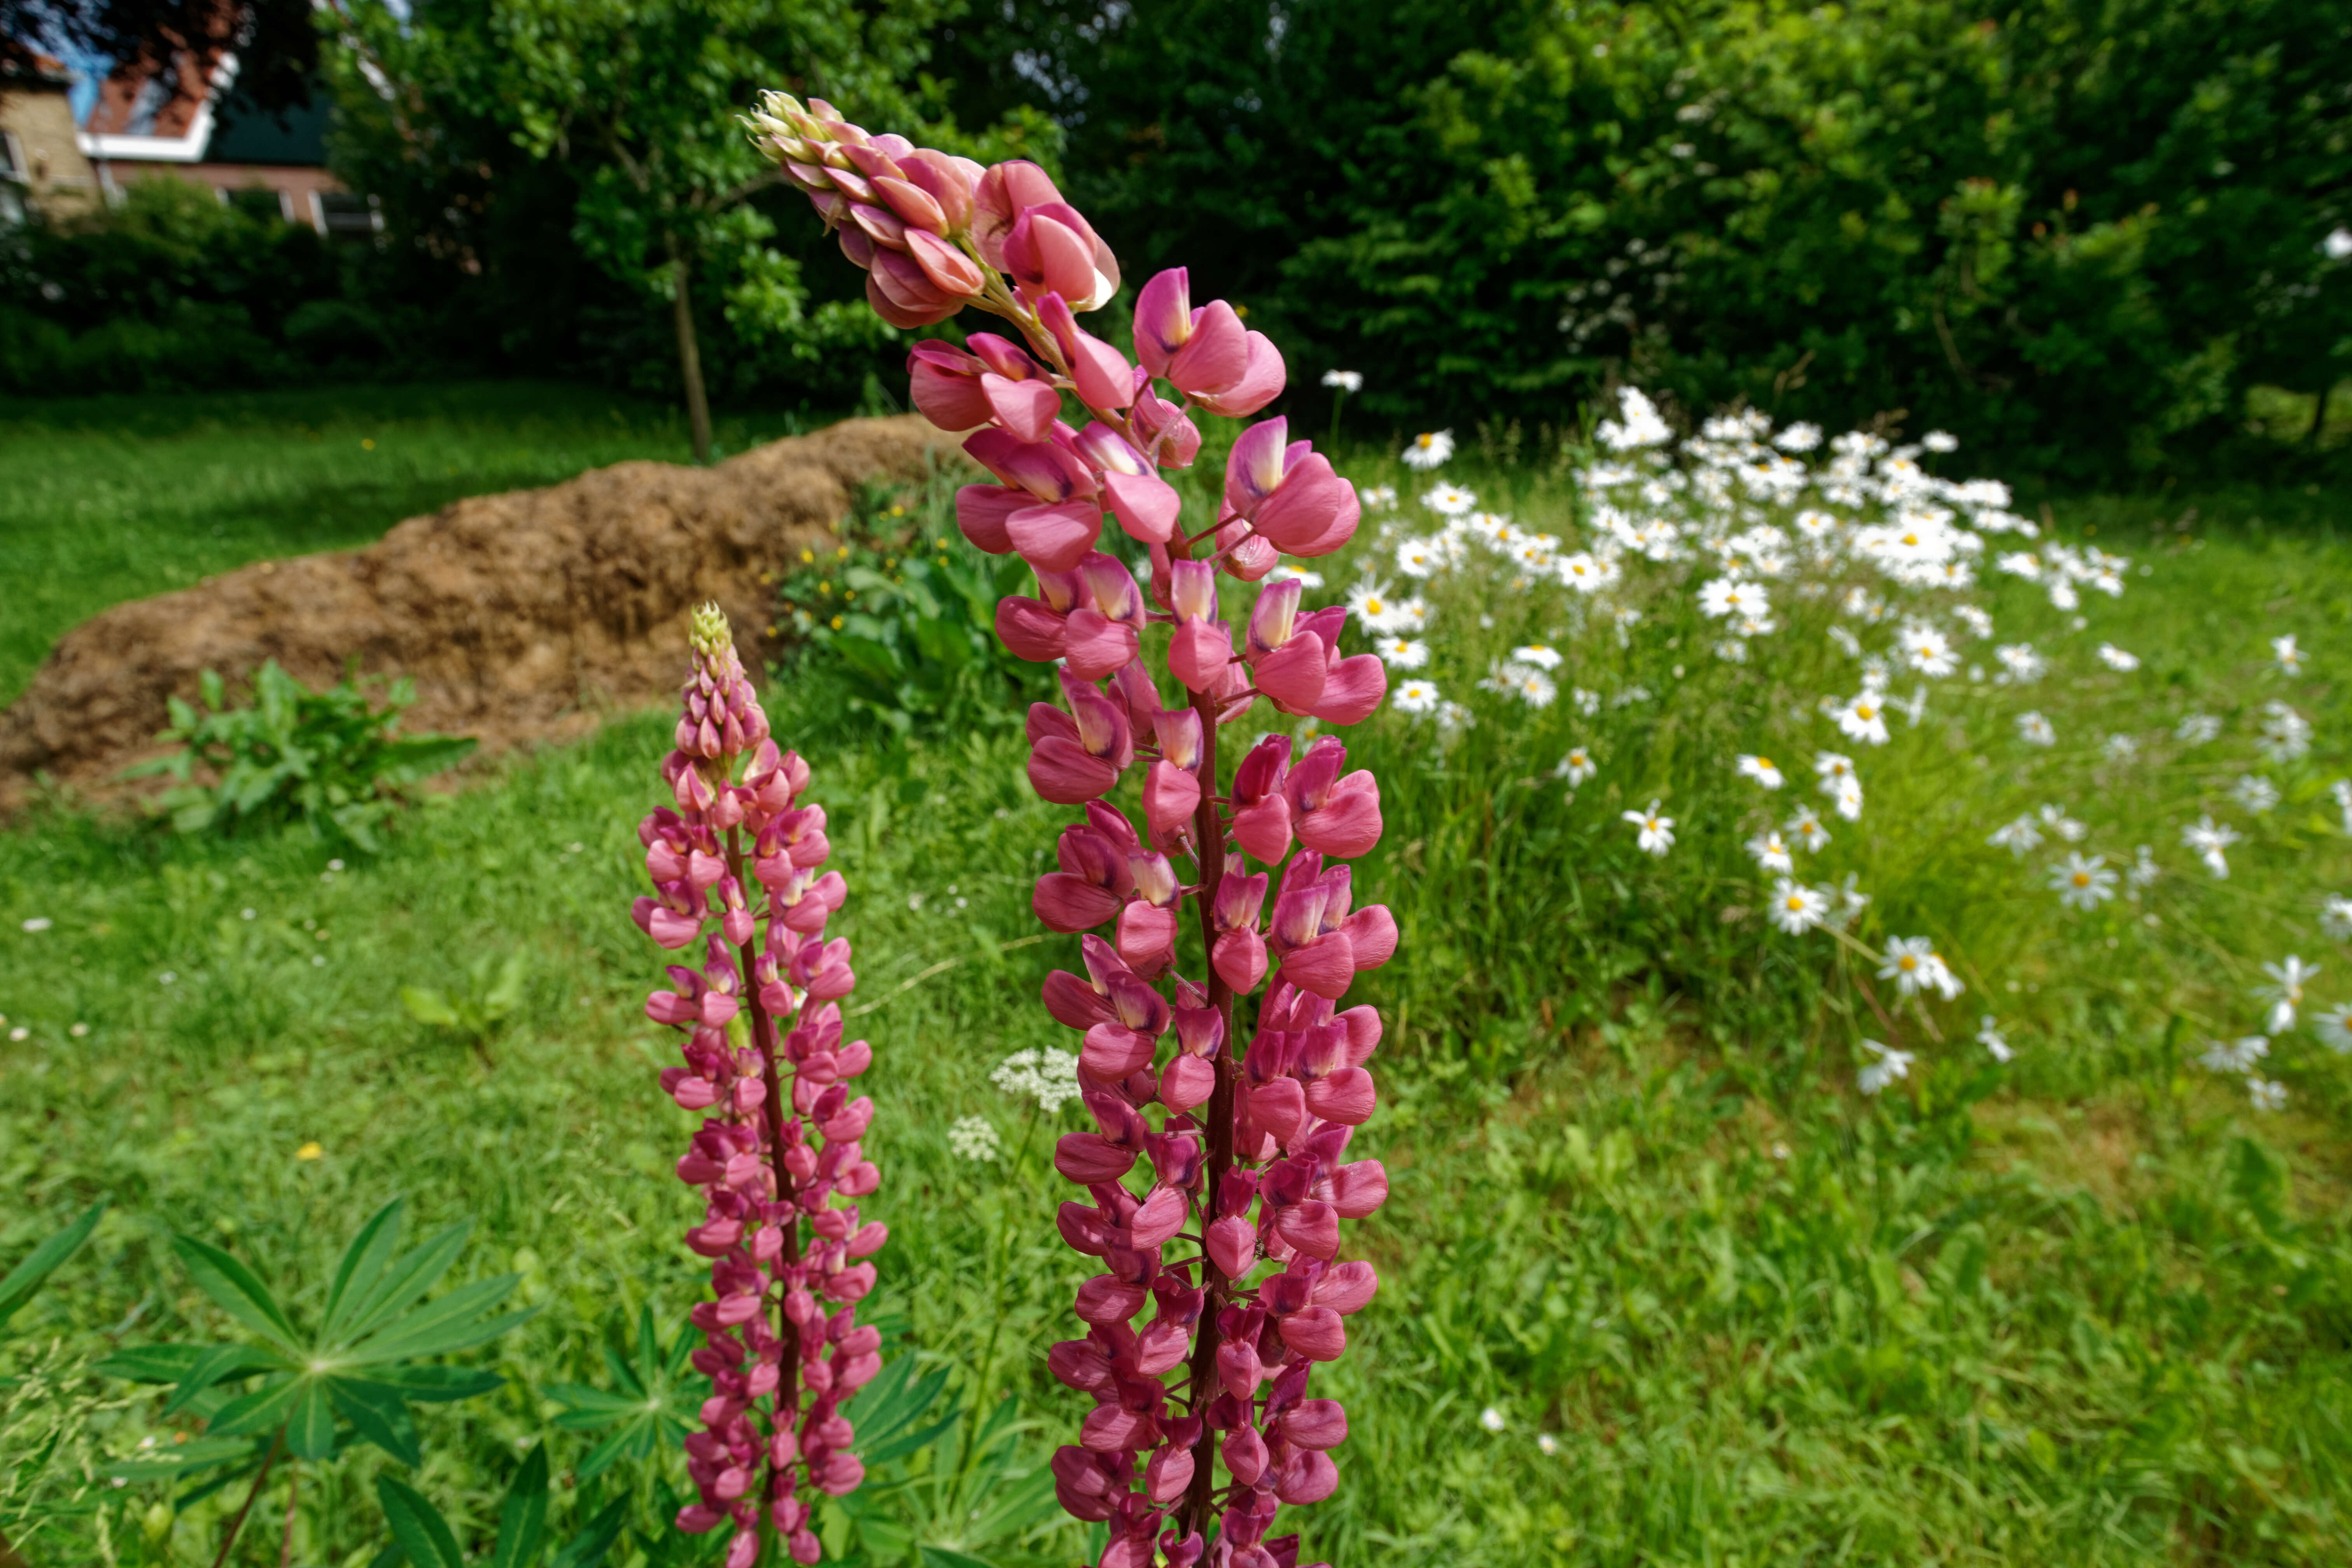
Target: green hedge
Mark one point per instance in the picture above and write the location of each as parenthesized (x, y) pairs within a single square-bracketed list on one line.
[(2073, 231)]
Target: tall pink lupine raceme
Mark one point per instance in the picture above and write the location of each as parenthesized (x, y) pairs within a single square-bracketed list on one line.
[(1200, 1360), (777, 1158)]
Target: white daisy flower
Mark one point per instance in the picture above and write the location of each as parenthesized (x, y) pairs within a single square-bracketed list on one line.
[(2197, 729), (1990, 1036), (1799, 436), (1418, 558), (2335, 916), (2333, 1028), (2255, 792), (1373, 607), (1863, 719), (1655, 834), (1940, 441), (2212, 841), (1797, 910), (1540, 655), (1978, 623), (1428, 449), (1585, 702), (1378, 497), (1401, 653), (1847, 798), (1576, 767), (2341, 790), (1888, 1065), (1907, 961), (1345, 380), (2285, 733), (1450, 501), (1805, 831), (2285, 992), (2019, 663), (1928, 651), (1492, 1419), (2116, 659), (1770, 852), (2082, 884), (1414, 696), (2267, 1094), (1762, 770), (2289, 656), (2235, 1056), (2035, 731), (2143, 872), (1732, 596), (1585, 573), (2019, 837), (2055, 820)]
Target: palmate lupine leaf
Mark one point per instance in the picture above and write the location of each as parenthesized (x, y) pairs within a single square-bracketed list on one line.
[(356, 1377), (651, 1406)]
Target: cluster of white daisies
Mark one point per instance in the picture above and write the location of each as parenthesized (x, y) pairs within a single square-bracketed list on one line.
[(1739, 515)]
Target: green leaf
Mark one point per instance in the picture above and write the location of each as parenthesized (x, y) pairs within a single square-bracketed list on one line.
[(947, 1557), (380, 1416), (417, 1527), (435, 1384), (428, 1007), (237, 1290), (44, 1260), (634, 1441), (522, 1517), (507, 994), (444, 1325), (596, 1538), (906, 1443), (151, 1363), (214, 1365), (260, 1411), (310, 1426), (405, 1280), (363, 1260)]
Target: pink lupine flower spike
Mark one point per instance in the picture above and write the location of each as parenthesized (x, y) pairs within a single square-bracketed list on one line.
[(778, 1157), (1197, 1360)]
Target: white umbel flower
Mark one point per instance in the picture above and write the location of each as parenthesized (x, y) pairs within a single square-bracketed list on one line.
[(973, 1138)]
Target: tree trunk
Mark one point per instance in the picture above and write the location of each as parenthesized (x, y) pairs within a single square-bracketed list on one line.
[(689, 362), (2319, 415)]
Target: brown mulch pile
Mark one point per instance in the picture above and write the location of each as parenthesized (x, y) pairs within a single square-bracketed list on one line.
[(522, 617)]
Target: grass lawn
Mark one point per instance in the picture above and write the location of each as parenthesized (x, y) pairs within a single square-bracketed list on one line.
[(1722, 1309)]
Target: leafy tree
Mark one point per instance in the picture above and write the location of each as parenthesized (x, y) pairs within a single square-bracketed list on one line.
[(639, 99), (2072, 230)]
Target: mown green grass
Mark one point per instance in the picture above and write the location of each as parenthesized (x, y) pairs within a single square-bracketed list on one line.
[(2087, 1309), (108, 499)]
